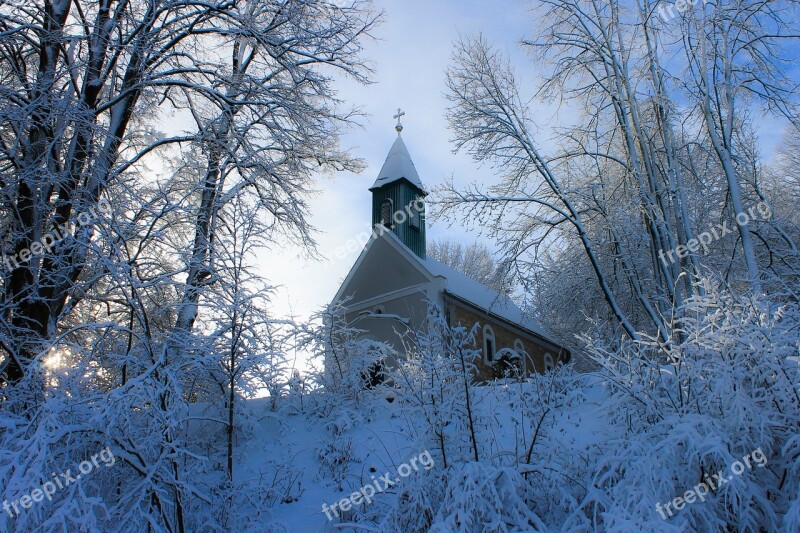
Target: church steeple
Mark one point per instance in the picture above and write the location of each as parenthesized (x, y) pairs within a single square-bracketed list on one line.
[(398, 196)]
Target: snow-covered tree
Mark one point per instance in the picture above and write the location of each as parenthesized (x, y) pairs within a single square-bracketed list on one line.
[(634, 195), (687, 412), (436, 379), (351, 362), (246, 343), (129, 133), (474, 260), (85, 87)]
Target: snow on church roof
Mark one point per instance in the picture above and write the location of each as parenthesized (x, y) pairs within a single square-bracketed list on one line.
[(466, 288), (476, 293), (398, 165)]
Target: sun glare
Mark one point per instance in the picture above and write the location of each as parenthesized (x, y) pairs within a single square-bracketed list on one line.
[(54, 359)]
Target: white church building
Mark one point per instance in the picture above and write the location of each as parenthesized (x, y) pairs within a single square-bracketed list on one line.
[(391, 283)]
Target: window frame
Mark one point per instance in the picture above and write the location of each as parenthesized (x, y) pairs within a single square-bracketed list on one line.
[(415, 218), (489, 337), (519, 348), (387, 223)]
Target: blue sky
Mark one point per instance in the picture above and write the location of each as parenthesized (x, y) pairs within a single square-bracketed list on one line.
[(410, 56)]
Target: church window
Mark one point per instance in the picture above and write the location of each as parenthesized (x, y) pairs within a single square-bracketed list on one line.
[(386, 213), (548, 362), (488, 344), (414, 208), (519, 349)]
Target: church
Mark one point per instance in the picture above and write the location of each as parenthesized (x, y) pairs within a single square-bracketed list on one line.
[(388, 289)]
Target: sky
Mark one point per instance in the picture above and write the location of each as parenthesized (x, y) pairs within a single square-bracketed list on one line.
[(410, 55)]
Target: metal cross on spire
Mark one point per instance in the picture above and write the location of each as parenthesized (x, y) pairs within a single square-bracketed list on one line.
[(399, 126)]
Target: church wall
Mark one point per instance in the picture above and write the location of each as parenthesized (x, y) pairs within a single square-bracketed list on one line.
[(504, 338), (414, 307), (388, 330)]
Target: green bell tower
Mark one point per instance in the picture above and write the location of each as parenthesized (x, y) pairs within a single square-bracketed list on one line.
[(398, 196)]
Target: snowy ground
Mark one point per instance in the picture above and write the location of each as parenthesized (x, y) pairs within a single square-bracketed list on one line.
[(284, 444)]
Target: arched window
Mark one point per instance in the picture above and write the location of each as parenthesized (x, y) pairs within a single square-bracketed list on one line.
[(386, 213), (415, 220), (549, 364), (519, 348), (489, 346)]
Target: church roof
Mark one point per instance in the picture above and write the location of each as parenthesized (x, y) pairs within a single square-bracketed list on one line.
[(398, 165), (454, 284), (481, 296), (463, 287)]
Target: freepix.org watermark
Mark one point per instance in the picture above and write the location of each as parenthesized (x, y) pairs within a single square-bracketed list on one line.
[(60, 481), (59, 233), (714, 234), (378, 485), (398, 217), (701, 490), (668, 12)]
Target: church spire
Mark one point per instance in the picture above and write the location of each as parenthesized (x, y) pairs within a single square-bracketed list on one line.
[(398, 195), (398, 164)]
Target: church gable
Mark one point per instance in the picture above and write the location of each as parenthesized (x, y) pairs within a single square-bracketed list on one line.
[(381, 269)]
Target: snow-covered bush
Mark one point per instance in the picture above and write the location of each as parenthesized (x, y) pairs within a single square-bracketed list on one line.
[(350, 361), (435, 384), (721, 389), (416, 503), (481, 498), (538, 417), (657, 420), (245, 505), (142, 423), (791, 454), (337, 451)]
